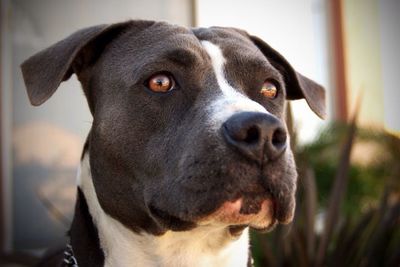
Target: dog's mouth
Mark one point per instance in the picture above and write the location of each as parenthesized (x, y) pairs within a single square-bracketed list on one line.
[(243, 197), (259, 212), (254, 212)]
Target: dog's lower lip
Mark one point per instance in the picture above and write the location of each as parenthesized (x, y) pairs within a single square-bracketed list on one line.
[(267, 229), (253, 212)]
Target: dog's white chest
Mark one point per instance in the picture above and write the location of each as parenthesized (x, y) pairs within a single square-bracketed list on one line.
[(202, 247), (173, 251)]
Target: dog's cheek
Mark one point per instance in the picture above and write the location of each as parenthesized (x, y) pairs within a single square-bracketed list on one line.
[(123, 137), (281, 180), (195, 178), (290, 194), (120, 171)]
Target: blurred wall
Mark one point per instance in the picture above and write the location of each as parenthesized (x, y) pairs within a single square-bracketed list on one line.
[(389, 14), (372, 41)]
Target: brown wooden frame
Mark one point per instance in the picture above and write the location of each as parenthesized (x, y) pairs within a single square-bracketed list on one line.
[(337, 35)]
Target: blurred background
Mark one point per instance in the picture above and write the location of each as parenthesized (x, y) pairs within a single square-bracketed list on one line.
[(349, 186)]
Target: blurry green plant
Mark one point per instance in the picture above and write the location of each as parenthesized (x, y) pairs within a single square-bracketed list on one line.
[(348, 203)]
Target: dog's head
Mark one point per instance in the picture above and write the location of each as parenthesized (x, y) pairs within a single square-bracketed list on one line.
[(188, 124)]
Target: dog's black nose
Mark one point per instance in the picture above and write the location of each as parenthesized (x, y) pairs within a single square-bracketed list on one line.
[(256, 135)]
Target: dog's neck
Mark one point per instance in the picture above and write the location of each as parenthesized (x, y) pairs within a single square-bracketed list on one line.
[(118, 246)]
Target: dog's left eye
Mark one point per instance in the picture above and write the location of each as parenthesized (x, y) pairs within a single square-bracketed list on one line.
[(269, 89), (160, 83)]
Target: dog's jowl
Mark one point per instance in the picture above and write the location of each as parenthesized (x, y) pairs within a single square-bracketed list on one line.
[(188, 147)]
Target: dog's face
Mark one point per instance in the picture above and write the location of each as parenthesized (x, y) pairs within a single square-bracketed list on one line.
[(189, 125)]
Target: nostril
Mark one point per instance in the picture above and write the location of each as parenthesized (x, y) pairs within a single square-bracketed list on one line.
[(253, 135), (258, 136), (279, 138)]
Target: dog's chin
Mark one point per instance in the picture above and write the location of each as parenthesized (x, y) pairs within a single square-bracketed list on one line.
[(256, 213), (251, 206), (260, 214), (237, 215)]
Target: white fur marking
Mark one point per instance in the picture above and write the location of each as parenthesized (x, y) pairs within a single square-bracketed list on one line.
[(203, 246), (231, 100), (218, 61)]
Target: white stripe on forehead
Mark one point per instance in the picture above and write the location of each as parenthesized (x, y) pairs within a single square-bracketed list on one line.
[(231, 100), (218, 61)]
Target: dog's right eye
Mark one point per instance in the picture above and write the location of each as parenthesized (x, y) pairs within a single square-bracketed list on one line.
[(160, 83), (269, 89)]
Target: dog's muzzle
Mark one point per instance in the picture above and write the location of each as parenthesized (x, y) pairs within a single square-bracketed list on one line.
[(254, 185), (262, 138)]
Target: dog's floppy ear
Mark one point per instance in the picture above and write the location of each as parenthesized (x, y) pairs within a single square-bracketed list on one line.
[(44, 71), (297, 85)]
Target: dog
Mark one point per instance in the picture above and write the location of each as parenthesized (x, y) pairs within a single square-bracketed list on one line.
[(188, 148)]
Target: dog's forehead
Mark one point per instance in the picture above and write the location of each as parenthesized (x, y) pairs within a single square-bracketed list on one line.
[(234, 43), (159, 37)]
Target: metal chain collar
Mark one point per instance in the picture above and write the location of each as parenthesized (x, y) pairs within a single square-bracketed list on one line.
[(69, 258)]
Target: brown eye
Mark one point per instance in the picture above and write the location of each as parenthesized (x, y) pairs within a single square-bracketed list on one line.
[(160, 83), (269, 89)]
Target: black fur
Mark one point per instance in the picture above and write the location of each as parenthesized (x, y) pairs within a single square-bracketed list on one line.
[(84, 236)]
